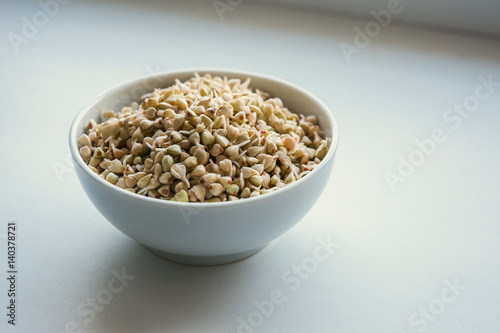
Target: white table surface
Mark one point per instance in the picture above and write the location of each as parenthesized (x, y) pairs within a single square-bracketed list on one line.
[(397, 253)]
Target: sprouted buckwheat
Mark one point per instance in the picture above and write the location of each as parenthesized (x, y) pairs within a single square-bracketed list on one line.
[(208, 139)]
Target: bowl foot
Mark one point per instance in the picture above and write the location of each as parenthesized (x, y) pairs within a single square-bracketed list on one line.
[(204, 260)]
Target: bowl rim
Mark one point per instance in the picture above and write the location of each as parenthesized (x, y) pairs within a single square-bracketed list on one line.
[(74, 135)]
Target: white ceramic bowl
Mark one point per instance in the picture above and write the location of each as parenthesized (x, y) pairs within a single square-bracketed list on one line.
[(205, 233)]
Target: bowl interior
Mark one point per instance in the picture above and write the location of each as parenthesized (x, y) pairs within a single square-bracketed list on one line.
[(295, 98)]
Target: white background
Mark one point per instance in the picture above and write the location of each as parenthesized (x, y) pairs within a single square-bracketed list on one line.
[(397, 250)]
